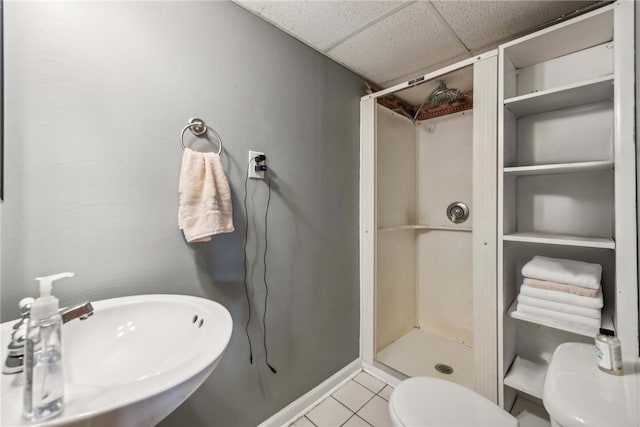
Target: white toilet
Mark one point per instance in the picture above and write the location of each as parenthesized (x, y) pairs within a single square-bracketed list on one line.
[(577, 394), (424, 402)]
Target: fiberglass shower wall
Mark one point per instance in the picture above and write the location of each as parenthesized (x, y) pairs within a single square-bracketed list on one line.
[(426, 280)]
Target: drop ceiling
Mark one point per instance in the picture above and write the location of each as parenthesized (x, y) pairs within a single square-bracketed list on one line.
[(389, 42)]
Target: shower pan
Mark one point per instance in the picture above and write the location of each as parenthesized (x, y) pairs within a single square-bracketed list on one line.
[(428, 192)]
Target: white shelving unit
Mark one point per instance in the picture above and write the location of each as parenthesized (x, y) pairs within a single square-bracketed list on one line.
[(565, 182)]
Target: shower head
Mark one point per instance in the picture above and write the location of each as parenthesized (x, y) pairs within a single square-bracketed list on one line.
[(441, 95)]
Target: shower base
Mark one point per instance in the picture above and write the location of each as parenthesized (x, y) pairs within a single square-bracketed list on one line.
[(418, 352)]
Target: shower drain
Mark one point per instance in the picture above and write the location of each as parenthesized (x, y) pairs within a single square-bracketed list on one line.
[(444, 369)]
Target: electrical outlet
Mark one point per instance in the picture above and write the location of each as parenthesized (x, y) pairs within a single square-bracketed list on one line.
[(253, 174)]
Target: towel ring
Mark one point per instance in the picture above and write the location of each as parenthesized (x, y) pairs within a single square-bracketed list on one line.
[(198, 127)]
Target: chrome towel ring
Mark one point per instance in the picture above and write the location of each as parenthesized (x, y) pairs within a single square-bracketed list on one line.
[(198, 127)]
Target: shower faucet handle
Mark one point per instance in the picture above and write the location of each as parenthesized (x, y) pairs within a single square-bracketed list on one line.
[(457, 212)]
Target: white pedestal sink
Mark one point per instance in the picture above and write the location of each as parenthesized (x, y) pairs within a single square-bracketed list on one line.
[(132, 363)]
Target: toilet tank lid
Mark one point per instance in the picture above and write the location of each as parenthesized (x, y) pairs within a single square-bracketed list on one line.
[(577, 393), (423, 401)]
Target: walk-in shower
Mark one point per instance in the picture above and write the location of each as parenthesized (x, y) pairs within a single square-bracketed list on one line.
[(421, 230)]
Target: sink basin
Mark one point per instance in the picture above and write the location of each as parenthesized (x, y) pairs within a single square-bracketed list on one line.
[(132, 363)]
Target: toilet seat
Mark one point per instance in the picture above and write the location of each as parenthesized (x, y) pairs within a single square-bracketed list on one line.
[(423, 402)]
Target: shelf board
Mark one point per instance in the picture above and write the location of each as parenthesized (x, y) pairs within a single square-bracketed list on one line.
[(551, 323), (560, 168), (561, 239), (530, 414), (527, 376), (423, 228), (580, 33), (582, 93)]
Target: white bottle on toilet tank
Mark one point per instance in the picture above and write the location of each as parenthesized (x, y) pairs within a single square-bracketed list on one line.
[(44, 381), (608, 352)]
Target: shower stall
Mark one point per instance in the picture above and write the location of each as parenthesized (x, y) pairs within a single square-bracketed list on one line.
[(428, 226)]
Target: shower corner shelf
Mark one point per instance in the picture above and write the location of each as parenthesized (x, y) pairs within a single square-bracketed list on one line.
[(561, 239), (581, 93), (423, 228), (527, 376)]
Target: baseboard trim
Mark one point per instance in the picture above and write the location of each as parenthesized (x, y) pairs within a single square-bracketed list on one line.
[(304, 403)]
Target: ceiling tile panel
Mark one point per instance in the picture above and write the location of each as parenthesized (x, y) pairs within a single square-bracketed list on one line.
[(483, 23), (320, 24), (409, 40)]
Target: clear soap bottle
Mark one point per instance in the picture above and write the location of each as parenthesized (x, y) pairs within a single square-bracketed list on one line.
[(609, 352), (44, 382)]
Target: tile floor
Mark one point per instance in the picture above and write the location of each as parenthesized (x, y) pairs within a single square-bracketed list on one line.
[(363, 401)]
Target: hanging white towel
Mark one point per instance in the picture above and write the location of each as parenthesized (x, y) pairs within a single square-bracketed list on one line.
[(205, 198), (572, 319), (558, 306), (567, 271), (563, 297)]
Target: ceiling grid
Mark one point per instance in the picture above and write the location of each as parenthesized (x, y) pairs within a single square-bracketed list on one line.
[(388, 42)]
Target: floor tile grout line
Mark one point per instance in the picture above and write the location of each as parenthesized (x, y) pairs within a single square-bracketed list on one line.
[(368, 400), (354, 379), (353, 413), (319, 402), (356, 415), (324, 400), (385, 386), (362, 418), (350, 410), (365, 404)]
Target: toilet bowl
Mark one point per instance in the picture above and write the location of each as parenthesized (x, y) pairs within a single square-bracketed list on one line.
[(424, 402)]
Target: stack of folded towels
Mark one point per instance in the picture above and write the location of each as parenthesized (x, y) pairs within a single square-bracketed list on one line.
[(564, 290)]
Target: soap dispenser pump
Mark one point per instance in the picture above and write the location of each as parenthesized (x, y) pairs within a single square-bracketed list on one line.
[(44, 381)]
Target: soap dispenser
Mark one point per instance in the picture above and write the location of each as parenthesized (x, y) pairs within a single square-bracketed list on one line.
[(44, 381)]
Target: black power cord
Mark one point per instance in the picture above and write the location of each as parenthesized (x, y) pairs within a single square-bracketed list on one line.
[(266, 286), (257, 159)]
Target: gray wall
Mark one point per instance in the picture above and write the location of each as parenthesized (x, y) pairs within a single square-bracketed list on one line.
[(96, 94)]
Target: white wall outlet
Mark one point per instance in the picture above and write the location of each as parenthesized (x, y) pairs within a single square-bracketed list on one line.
[(253, 174)]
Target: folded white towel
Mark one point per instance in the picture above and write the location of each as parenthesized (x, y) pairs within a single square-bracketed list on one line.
[(563, 297), (572, 319), (562, 287), (205, 198), (558, 306), (567, 271)]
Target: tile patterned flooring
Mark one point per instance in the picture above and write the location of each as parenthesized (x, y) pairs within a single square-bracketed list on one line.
[(363, 401)]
